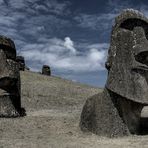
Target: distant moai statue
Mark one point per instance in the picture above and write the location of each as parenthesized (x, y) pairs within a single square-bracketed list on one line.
[(27, 68), (10, 101), (116, 111), (21, 62), (46, 70)]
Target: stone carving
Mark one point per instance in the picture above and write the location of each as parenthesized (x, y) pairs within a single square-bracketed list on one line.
[(46, 70), (116, 112), (10, 102), (21, 62)]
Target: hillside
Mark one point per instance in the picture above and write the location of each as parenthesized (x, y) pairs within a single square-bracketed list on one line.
[(44, 92), (53, 107)]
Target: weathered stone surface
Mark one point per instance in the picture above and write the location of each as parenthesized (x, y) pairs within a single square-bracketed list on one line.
[(129, 46), (101, 117), (10, 102), (21, 62), (8, 46), (116, 112), (46, 70)]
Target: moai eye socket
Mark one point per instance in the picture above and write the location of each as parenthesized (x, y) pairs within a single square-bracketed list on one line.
[(142, 57), (10, 52)]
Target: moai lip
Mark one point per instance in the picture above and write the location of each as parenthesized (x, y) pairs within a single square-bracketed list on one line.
[(46, 70), (10, 100), (116, 112)]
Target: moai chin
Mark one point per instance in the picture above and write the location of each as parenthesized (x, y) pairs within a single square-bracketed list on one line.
[(10, 102), (46, 70), (21, 62), (116, 112)]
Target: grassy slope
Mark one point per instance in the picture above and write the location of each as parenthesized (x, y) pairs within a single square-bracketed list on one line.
[(53, 108), (44, 92)]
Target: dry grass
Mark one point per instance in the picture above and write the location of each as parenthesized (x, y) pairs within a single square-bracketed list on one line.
[(53, 108)]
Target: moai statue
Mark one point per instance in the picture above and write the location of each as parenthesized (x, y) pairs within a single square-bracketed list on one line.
[(10, 102), (116, 111), (21, 62), (27, 68), (46, 70)]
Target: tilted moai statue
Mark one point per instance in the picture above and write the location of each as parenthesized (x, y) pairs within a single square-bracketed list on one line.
[(46, 70), (10, 102), (21, 62), (116, 111)]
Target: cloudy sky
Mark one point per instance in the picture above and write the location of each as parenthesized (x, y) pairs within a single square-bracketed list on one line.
[(71, 36)]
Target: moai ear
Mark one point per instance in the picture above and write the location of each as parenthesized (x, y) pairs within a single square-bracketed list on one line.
[(107, 65), (111, 55)]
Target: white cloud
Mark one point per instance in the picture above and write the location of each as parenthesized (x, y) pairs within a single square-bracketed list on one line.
[(69, 45), (25, 21), (55, 54), (102, 46), (95, 55), (32, 30), (103, 21)]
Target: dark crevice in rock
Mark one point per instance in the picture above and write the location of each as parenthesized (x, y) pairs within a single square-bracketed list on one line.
[(130, 24)]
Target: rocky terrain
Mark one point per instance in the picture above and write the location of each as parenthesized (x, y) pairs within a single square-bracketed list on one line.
[(53, 106)]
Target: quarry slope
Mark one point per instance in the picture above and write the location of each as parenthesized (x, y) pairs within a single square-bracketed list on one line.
[(53, 106), (50, 92)]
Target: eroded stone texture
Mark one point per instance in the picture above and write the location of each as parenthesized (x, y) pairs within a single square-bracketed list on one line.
[(10, 103), (46, 70), (116, 112), (21, 62)]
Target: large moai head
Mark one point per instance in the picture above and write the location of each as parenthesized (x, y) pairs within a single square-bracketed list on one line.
[(46, 70), (127, 61), (117, 110), (10, 104), (21, 62)]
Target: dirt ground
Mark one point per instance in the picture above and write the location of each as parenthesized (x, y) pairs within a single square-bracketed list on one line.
[(53, 106)]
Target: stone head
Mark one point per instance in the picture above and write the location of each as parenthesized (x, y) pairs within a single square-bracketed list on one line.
[(127, 61), (8, 66), (9, 78), (46, 70)]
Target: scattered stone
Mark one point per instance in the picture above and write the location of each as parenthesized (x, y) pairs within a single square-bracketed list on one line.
[(10, 101), (46, 70), (116, 112)]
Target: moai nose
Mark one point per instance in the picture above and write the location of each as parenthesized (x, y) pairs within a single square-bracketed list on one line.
[(3, 61), (7, 73), (139, 35), (140, 49)]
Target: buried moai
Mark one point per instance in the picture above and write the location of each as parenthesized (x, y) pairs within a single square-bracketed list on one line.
[(116, 111), (10, 102), (46, 70), (21, 62)]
